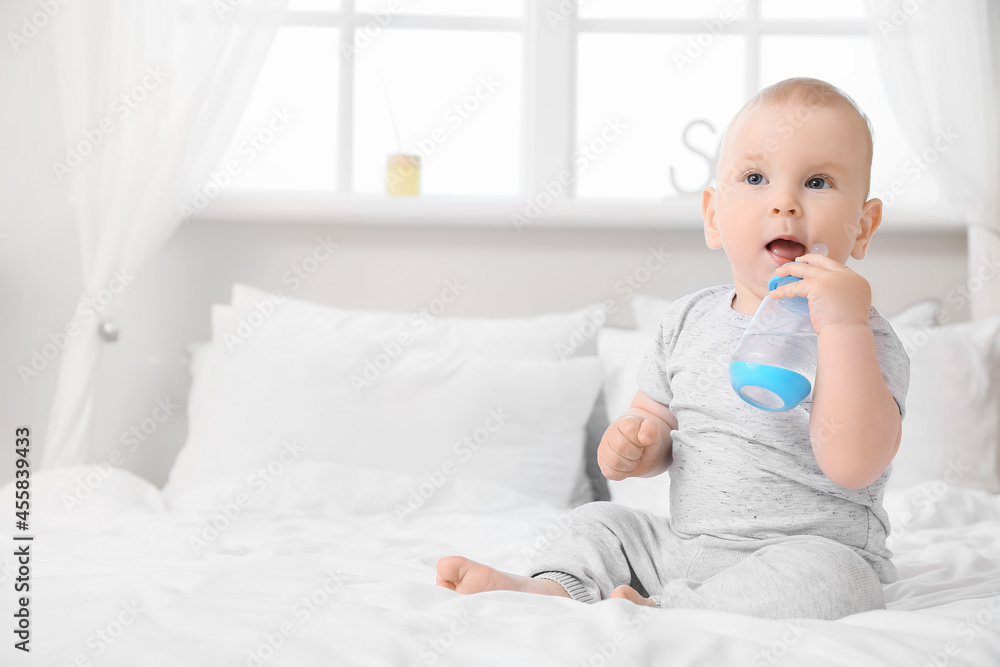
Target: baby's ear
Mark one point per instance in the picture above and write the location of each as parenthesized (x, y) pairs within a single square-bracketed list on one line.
[(871, 218), (712, 237)]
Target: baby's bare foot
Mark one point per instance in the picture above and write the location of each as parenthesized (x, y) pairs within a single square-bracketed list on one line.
[(467, 576), (626, 592)]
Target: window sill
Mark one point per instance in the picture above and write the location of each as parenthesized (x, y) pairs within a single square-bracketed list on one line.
[(442, 211)]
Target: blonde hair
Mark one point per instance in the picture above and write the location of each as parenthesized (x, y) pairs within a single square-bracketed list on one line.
[(809, 91)]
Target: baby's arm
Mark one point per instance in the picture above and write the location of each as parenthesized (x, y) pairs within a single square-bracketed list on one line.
[(638, 444), (854, 422), (855, 425)]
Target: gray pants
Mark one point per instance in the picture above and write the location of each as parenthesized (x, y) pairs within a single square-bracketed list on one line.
[(794, 576)]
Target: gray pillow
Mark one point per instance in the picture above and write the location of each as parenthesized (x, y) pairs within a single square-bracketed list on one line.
[(596, 427)]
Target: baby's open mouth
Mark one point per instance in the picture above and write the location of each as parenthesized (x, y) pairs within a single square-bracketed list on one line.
[(785, 249)]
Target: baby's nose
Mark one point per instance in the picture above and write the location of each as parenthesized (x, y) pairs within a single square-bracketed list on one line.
[(784, 204)]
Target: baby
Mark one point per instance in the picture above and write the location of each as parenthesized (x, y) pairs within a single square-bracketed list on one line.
[(772, 514)]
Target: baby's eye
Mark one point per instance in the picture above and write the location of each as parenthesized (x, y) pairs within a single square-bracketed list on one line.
[(817, 183), (755, 179)]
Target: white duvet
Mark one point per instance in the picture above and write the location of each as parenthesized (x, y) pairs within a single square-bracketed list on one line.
[(325, 569)]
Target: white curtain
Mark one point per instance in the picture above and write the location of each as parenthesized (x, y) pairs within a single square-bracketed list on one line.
[(150, 94), (940, 64)]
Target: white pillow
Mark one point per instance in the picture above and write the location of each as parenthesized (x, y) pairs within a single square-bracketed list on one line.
[(299, 373), (516, 422), (952, 427), (621, 351), (923, 313), (648, 310), (549, 336)]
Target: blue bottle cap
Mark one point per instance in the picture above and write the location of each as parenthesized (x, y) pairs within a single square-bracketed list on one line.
[(797, 304), (767, 387)]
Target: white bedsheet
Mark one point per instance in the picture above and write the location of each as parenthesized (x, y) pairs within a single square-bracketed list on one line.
[(323, 568)]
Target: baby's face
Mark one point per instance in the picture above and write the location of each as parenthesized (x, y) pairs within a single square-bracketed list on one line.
[(793, 171)]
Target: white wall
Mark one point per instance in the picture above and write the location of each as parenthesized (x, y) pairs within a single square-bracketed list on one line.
[(39, 265)]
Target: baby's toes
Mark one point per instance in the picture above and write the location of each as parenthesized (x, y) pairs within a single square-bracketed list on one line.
[(449, 571)]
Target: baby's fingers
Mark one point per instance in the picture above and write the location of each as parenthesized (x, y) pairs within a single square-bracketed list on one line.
[(617, 456), (649, 432), (624, 446), (629, 426), (640, 432)]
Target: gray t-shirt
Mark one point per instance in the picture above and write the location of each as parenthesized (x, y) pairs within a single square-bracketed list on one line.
[(742, 472)]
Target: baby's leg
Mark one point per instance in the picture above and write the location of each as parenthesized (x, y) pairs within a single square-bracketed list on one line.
[(606, 546), (801, 576), (466, 576)]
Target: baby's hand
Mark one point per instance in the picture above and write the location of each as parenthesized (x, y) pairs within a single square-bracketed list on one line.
[(836, 294), (629, 448)]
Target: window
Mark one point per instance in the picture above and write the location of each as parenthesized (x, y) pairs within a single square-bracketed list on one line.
[(679, 70), (437, 78), (608, 112)]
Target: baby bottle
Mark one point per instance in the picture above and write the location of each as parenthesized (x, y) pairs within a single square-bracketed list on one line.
[(774, 365)]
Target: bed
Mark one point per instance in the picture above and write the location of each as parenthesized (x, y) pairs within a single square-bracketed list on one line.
[(304, 516)]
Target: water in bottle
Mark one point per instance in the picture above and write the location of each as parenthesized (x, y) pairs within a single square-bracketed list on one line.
[(774, 365)]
